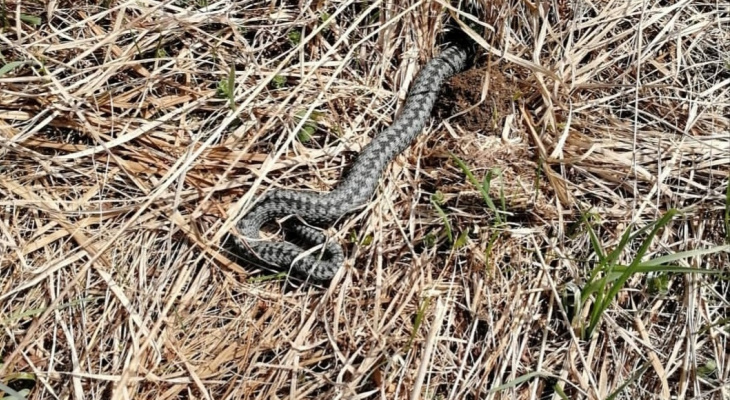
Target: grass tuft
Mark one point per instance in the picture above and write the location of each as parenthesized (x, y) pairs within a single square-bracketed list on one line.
[(134, 134)]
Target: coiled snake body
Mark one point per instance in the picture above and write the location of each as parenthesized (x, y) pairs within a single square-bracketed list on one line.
[(354, 190)]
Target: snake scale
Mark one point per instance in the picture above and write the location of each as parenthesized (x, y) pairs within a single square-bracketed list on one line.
[(354, 191)]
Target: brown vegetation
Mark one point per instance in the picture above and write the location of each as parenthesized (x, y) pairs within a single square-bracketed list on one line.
[(126, 156)]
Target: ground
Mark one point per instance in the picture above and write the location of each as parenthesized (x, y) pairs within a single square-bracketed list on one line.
[(559, 230)]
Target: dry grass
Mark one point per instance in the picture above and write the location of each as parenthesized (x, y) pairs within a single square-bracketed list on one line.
[(122, 167)]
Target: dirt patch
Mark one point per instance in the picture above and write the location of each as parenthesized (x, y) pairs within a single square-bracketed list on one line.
[(462, 100), (486, 133)]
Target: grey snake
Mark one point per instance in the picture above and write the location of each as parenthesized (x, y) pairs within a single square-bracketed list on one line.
[(354, 191)]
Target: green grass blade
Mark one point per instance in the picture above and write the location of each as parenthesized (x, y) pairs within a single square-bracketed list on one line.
[(473, 180), (419, 320), (595, 243), (631, 379), (560, 392), (12, 394), (518, 381), (444, 218), (684, 254), (30, 19), (232, 87), (10, 66), (602, 306), (616, 253)]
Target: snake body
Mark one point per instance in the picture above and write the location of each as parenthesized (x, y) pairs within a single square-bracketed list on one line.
[(354, 191)]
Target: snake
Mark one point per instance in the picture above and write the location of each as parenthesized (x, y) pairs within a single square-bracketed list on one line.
[(308, 209)]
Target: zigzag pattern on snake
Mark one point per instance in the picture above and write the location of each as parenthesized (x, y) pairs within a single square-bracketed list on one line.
[(354, 191)]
